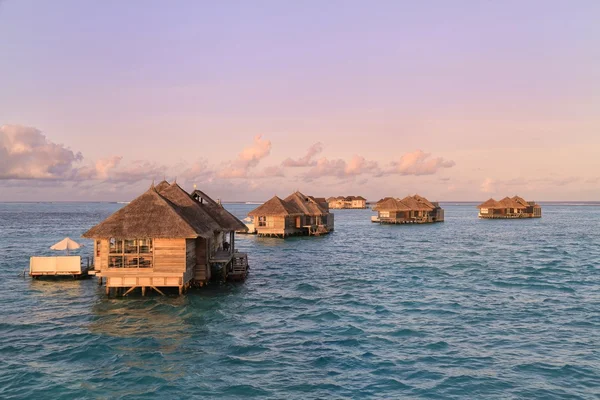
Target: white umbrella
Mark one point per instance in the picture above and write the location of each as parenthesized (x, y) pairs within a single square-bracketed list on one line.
[(66, 244)]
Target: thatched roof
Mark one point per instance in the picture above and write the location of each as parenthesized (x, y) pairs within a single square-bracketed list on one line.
[(295, 204), (306, 204), (491, 203), (275, 207), (224, 218), (506, 202), (524, 202), (148, 216), (423, 200), (390, 204), (162, 186), (169, 213), (196, 215), (350, 198), (416, 205)]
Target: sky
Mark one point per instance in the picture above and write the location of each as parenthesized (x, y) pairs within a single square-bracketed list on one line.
[(456, 101)]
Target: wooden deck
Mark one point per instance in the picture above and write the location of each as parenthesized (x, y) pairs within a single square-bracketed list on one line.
[(395, 221), (238, 270), (508, 216), (221, 256)]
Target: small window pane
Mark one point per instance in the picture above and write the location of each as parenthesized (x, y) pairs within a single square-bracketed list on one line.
[(131, 246), (131, 261), (145, 246), (145, 262), (116, 246), (115, 262)]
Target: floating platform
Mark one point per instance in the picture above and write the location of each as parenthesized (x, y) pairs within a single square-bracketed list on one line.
[(57, 266)]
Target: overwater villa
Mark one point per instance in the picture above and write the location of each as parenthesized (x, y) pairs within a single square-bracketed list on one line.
[(509, 207), (167, 238), (341, 202), (297, 214), (409, 210)]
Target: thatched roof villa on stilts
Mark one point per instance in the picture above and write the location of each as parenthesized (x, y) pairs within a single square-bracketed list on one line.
[(167, 238), (348, 202), (509, 208), (297, 214), (409, 210)]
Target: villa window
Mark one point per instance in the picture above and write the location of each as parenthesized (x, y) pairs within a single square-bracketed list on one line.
[(130, 253), (384, 214), (262, 221)]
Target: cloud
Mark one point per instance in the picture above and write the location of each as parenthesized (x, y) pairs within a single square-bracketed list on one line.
[(248, 159), (339, 168), (251, 156), (488, 186), (135, 171), (25, 153), (198, 172), (100, 171), (271, 172), (419, 163), (307, 160)]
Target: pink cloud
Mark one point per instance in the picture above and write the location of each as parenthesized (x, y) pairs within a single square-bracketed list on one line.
[(25, 153), (488, 186), (307, 160), (248, 158), (340, 168), (251, 155), (198, 172), (420, 163)]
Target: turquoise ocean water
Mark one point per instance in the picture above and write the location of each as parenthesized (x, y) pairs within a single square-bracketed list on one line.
[(467, 308)]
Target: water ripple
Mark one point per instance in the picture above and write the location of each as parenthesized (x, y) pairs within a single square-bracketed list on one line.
[(463, 309)]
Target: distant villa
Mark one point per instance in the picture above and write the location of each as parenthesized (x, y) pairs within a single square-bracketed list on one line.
[(297, 214), (167, 238), (409, 210), (515, 207), (340, 202)]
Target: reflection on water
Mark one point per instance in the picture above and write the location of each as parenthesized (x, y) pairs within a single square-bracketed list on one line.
[(59, 286), (157, 318)]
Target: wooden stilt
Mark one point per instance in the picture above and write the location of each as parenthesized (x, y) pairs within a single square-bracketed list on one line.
[(180, 290), (129, 291), (155, 288), (143, 290), (107, 290)]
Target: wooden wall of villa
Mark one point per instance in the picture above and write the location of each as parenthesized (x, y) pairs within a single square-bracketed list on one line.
[(166, 238)]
